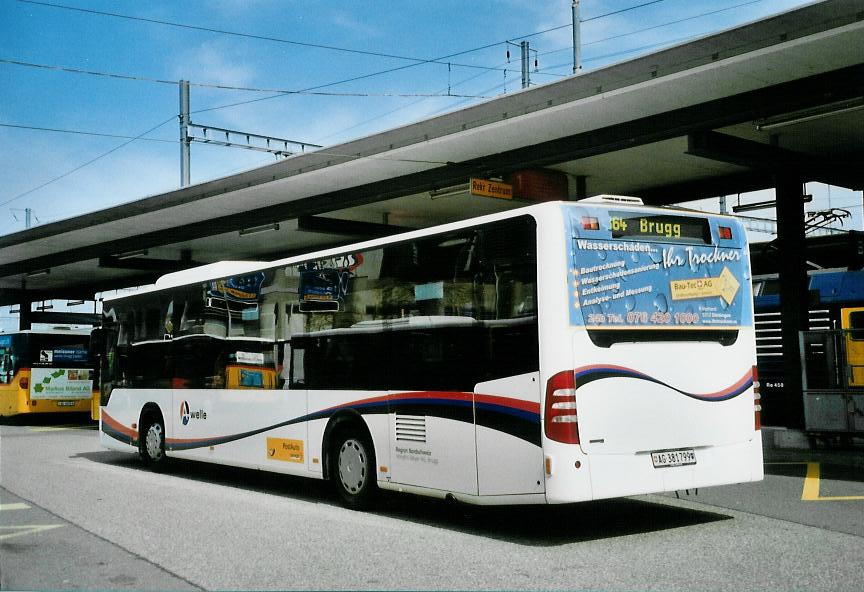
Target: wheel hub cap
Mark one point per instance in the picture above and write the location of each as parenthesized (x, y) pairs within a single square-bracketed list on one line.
[(352, 466), (153, 441)]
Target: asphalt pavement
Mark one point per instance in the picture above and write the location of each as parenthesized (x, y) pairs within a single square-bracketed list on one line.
[(81, 517)]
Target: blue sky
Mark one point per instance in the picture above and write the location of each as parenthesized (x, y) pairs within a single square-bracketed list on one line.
[(134, 62), (47, 37)]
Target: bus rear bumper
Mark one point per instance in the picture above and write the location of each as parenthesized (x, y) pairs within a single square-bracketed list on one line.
[(617, 475)]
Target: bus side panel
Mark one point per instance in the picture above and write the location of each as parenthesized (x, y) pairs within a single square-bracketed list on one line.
[(119, 419), (264, 429), (509, 456), (372, 408), (433, 442), (567, 478)]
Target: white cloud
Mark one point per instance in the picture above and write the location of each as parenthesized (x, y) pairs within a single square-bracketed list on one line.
[(135, 171), (345, 20), (216, 62)]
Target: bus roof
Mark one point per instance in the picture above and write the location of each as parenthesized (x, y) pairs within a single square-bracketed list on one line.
[(207, 272), (224, 269)]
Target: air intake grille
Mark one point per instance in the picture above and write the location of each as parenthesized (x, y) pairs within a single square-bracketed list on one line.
[(411, 428)]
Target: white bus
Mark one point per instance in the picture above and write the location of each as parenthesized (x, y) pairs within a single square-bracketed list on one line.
[(556, 353)]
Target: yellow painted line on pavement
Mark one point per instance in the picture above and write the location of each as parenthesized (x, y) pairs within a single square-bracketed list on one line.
[(22, 529), (811, 487), (812, 484), (6, 507)]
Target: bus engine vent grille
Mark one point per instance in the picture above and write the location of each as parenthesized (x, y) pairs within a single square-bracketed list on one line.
[(410, 428)]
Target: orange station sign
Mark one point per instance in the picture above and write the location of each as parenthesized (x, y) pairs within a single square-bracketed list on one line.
[(486, 188)]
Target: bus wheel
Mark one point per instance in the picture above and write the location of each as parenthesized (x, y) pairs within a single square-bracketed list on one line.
[(353, 470), (152, 446)]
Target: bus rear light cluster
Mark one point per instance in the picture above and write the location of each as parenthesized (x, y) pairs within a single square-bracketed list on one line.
[(561, 420), (757, 401)]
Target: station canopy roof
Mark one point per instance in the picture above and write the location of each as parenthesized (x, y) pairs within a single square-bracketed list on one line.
[(724, 114)]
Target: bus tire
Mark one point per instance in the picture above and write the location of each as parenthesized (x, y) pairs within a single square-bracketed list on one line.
[(151, 447), (352, 468)]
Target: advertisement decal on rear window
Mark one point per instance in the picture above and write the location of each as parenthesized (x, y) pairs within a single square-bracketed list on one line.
[(630, 271)]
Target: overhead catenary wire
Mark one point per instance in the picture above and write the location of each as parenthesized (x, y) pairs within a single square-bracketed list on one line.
[(439, 59), (89, 162), (172, 118), (280, 93), (542, 72), (406, 106), (620, 11), (622, 52), (140, 136), (236, 33), (449, 64), (83, 133), (353, 79), (284, 93), (225, 86), (659, 26), (415, 61), (306, 43), (382, 94)]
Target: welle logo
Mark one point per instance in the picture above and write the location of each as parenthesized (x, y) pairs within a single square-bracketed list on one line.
[(186, 416)]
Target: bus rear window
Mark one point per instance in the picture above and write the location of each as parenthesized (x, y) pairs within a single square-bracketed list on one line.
[(648, 276)]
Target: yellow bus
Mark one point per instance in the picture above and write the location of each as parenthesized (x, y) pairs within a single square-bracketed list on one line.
[(48, 371)]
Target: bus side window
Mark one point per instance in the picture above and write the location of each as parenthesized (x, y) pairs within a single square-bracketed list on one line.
[(5, 368), (297, 373), (283, 364), (192, 315)]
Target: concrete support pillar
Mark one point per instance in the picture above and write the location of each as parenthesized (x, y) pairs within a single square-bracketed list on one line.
[(793, 294), (25, 316)]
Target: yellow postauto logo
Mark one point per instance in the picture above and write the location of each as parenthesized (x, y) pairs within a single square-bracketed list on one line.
[(285, 450)]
